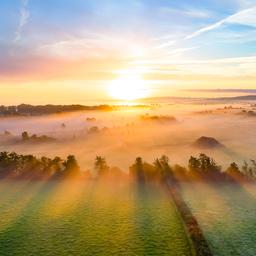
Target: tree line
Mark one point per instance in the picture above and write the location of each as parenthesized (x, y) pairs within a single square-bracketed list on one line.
[(13, 165), (203, 167), (32, 110)]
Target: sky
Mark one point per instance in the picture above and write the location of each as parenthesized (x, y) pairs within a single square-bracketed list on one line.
[(70, 51)]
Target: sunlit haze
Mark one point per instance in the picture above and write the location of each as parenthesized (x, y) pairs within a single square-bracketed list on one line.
[(71, 51), (128, 87)]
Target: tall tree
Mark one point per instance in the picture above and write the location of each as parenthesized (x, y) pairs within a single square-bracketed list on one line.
[(72, 168), (101, 166)]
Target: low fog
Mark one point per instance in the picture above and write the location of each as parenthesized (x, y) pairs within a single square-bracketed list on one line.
[(125, 134)]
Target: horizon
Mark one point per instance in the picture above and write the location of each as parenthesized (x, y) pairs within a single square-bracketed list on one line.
[(102, 49), (190, 94)]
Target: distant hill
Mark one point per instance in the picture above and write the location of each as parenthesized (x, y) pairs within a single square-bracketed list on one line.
[(207, 143), (245, 91), (32, 110), (246, 97), (200, 100)]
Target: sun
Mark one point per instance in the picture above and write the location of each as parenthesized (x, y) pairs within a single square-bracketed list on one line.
[(128, 88)]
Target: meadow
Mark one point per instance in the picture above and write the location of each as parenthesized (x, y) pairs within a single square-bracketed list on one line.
[(226, 213), (92, 218)]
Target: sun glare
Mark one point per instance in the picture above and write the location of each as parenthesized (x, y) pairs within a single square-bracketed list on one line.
[(128, 88)]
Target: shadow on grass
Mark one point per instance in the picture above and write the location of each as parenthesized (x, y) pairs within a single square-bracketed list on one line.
[(230, 230), (150, 223), (14, 238)]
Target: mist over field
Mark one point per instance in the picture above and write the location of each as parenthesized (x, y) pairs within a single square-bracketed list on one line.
[(123, 135)]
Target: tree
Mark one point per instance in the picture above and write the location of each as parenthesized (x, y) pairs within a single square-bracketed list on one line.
[(204, 166), (137, 171), (101, 166), (233, 169), (245, 168), (234, 172), (25, 136), (3, 156), (164, 168), (29, 166), (253, 169), (57, 165), (72, 168), (193, 164)]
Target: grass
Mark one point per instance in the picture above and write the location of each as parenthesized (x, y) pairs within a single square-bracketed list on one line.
[(68, 218), (226, 213)]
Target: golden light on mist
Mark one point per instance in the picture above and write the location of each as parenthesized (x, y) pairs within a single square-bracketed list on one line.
[(128, 88)]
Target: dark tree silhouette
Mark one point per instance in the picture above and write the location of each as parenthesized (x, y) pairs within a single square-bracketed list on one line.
[(162, 165), (233, 168), (193, 164), (204, 167), (137, 171), (72, 168), (25, 136), (101, 166)]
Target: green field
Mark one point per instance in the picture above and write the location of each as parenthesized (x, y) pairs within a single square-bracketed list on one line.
[(90, 218), (226, 214)]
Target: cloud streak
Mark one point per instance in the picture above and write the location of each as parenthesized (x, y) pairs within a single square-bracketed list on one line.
[(222, 68), (24, 17), (245, 17), (91, 45)]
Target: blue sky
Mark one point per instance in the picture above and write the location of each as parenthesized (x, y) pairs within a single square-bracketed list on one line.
[(183, 43), (151, 18)]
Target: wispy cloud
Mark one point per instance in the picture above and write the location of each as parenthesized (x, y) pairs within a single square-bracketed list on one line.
[(244, 17), (24, 17), (164, 45), (224, 67), (186, 12), (91, 45), (238, 60)]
